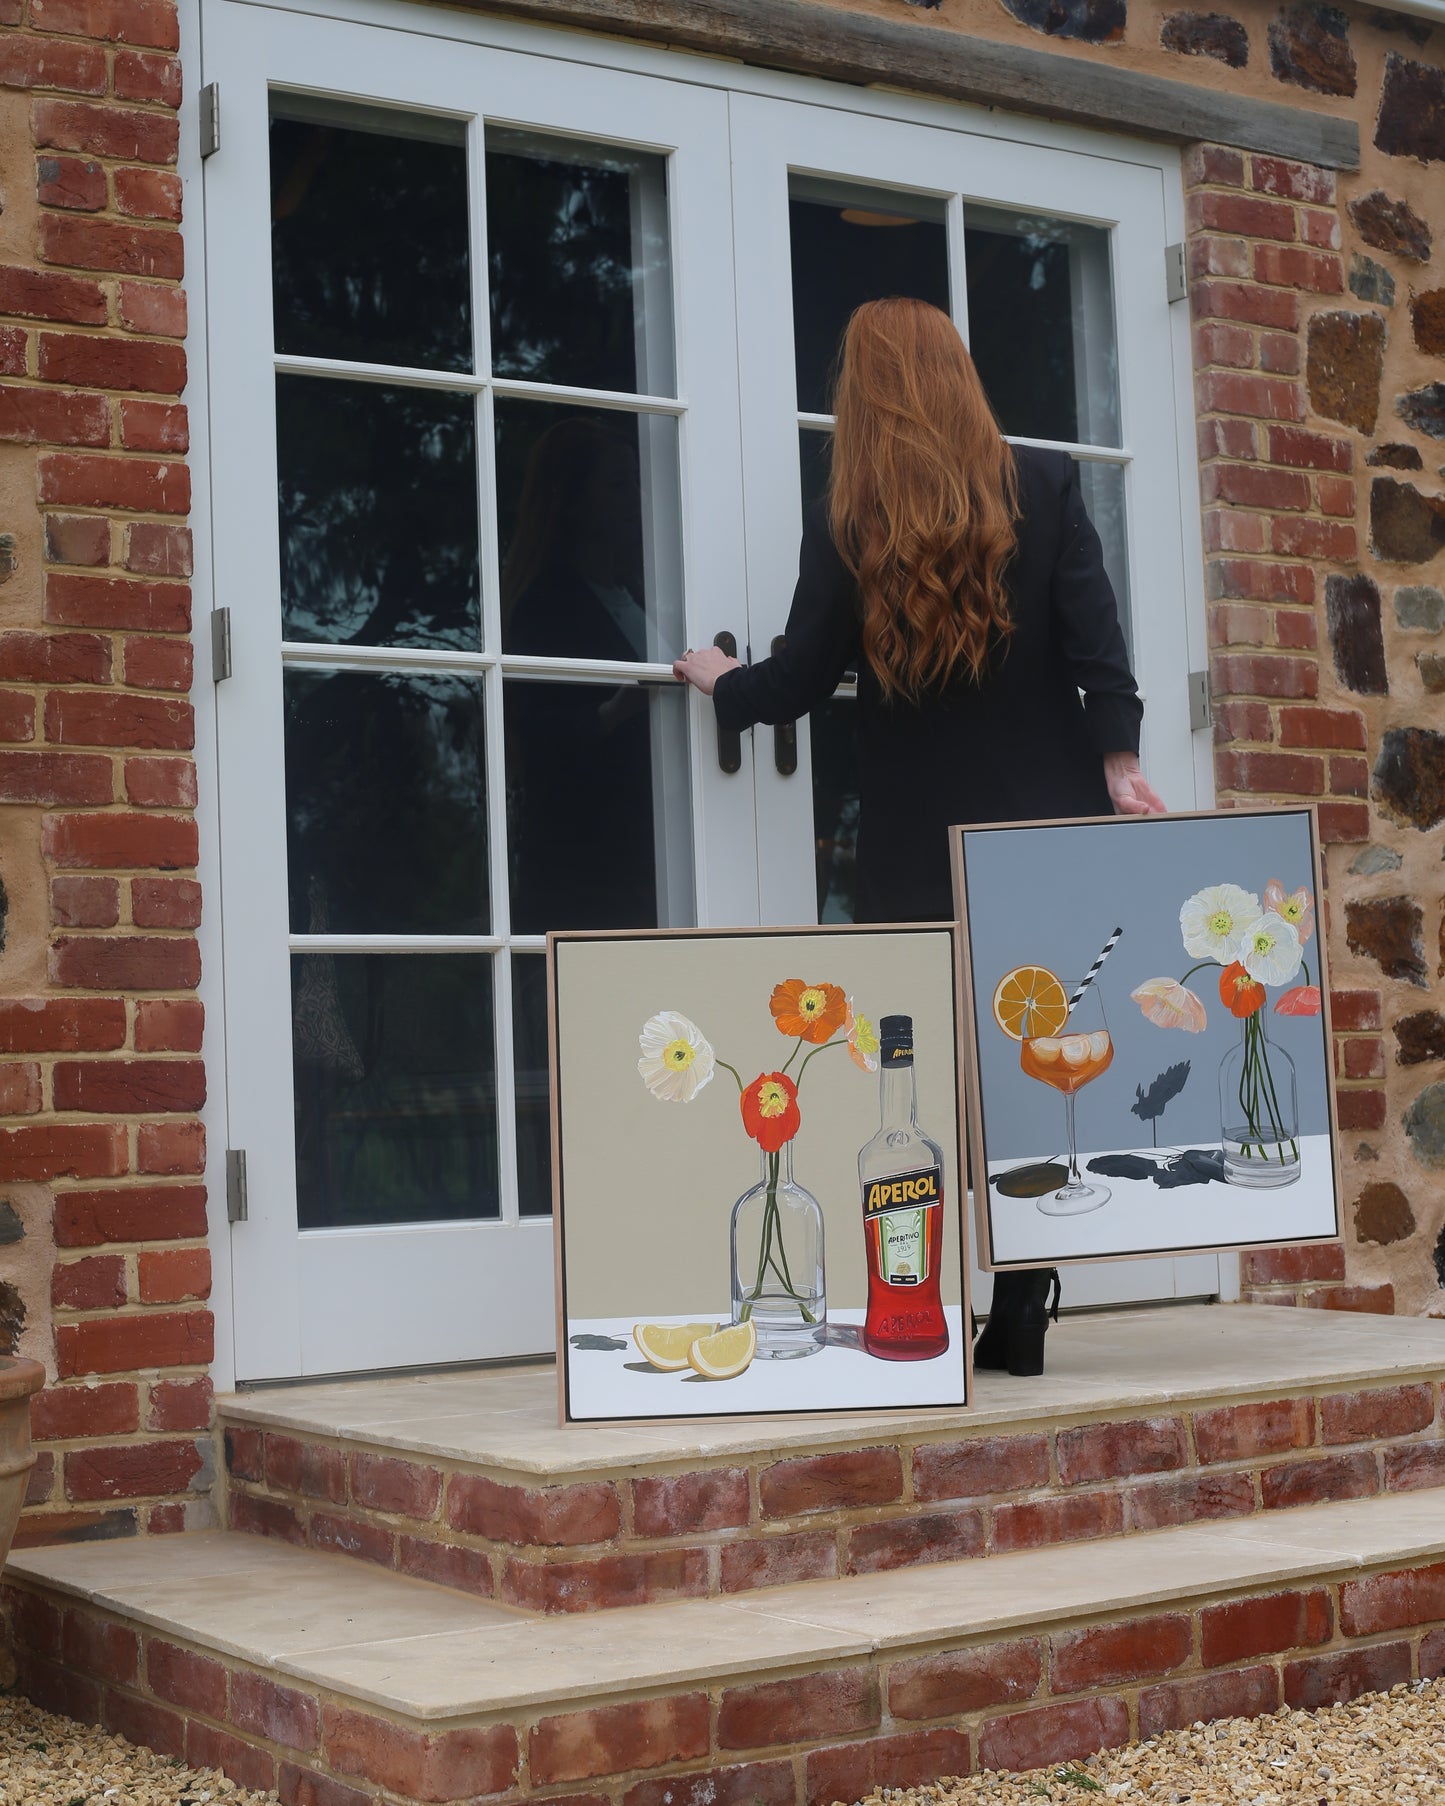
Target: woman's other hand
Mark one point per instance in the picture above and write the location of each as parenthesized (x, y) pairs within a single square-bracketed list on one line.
[(1129, 790), (703, 669)]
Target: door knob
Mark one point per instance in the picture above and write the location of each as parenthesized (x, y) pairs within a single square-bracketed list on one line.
[(785, 734)]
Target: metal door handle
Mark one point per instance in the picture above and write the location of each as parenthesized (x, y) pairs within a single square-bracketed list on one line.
[(729, 739), (785, 734)]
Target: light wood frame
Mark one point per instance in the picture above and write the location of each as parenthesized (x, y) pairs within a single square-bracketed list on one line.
[(971, 1102)]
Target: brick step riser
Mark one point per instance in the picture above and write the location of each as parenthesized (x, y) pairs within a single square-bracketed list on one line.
[(1016, 1701), (733, 1525)]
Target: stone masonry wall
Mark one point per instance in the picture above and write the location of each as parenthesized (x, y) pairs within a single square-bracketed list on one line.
[(104, 1267)]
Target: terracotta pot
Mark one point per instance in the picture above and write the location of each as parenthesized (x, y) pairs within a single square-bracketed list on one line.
[(18, 1379)]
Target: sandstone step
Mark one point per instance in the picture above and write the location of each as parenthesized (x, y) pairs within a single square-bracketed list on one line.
[(1144, 1419), (341, 1685)]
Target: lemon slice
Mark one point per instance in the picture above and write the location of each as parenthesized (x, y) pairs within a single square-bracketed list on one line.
[(1028, 1002), (666, 1344), (725, 1355)]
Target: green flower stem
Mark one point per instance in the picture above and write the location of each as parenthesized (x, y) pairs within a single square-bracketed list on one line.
[(1199, 968), (769, 1254), (737, 1076), (822, 1048)]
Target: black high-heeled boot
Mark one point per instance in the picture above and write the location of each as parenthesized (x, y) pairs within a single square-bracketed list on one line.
[(1012, 1340)]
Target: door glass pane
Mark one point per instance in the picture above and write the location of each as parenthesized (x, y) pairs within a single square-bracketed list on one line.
[(577, 258), (369, 256), (378, 514), (588, 513), (396, 1088), (835, 808), (1103, 487), (1041, 324), (534, 1114), (386, 823), (599, 818), (815, 457), (852, 244)]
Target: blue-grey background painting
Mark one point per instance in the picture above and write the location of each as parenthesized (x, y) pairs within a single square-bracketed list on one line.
[(1052, 896)]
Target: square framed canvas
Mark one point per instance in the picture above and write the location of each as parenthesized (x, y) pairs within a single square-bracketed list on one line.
[(1147, 1036), (751, 1215)]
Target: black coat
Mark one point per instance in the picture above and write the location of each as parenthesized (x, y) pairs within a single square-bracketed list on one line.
[(1022, 744)]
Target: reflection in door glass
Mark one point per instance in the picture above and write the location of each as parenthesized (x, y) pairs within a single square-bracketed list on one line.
[(534, 1110), (1103, 487), (815, 459), (396, 1088), (577, 254), (377, 492), (369, 256), (587, 516), (851, 245), (1041, 324)]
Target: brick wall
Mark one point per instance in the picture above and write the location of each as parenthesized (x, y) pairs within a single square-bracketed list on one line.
[(100, 1030)]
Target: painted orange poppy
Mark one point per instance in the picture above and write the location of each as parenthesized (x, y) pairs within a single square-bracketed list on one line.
[(770, 1110), (811, 1012), (1238, 992)]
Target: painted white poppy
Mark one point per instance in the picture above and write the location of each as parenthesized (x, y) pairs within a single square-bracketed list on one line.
[(1213, 920), (1269, 950), (677, 1060)]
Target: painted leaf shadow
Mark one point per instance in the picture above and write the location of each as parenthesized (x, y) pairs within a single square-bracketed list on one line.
[(1150, 1105)]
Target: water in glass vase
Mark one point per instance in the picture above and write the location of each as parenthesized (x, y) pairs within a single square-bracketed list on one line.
[(777, 1262), (1258, 1111)]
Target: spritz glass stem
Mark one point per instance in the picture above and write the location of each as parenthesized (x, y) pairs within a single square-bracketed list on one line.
[(1074, 1178)]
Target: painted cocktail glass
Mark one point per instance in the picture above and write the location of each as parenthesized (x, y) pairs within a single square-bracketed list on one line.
[(1067, 1061)]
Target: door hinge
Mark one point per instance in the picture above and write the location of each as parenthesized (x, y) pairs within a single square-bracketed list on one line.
[(1176, 282), (237, 1209), (210, 119), (220, 644), (1201, 710)]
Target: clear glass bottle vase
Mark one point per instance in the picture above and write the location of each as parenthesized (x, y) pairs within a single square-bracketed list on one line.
[(1258, 1110), (777, 1262)]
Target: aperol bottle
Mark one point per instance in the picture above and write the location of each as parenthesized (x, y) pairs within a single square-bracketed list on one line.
[(900, 1172)]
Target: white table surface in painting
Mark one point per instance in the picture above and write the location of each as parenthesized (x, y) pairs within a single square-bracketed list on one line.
[(618, 1383), (1144, 1218)]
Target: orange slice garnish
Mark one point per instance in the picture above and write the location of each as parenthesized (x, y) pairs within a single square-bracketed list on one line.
[(1030, 1001)]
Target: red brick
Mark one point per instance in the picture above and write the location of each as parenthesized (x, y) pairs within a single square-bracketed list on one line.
[(1416, 1465), (684, 1504), (116, 602), (17, 716), (1235, 1633), (1308, 1482), (1240, 214), (1226, 530), (47, 295), (63, 1412), (744, 1784), (166, 1520), (1384, 1411), (56, 1689), (445, 1564), (910, 1759), (1207, 255), (1106, 1655), (1293, 774), (1359, 1110), (129, 1344), (105, 1651), (1294, 181), (144, 75), (95, 1283), (1238, 623), (36, 1621), (270, 1710), (961, 1681), (1336, 495), (171, 1147), (139, 1470), (53, 417), (73, 480), (186, 1678), (1392, 1601), (849, 1478), (799, 1710), (19, 1088), (95, 363), (1111, 1451), (48, 1527), (266, 1517), (120, 1087), (1249, 674), (1220, 342), (1078, 1518), (49, 658), (247, 1764), (1236, 1432), (1301, 726), (1228, 439), (154, 308), (27, 62), (106, 131), (1258, 581), (443, 1765), (1276, 308), (120, 839), (1432, 1655), (180, 1404), (610, 1740), (165, 902), (1330, 1680), (169, 1025), (551, 1515), (110, 718), (150, 22), (141, 1722), (354, 1537), (404, 1488), (772, 1561), (1290, 266), (1296, 629), (40, 1482), (244, 1453), (76, 539), (1330, 540), (299, 1786), (42, 777), (1305, 450), (93, 244), (1190, 1499), (165, 784), (979, 1465), (142, 1213), (311, 1468), (69, 1150), (12, 351), (157, 549), (1351, 777), (1320, 227), (1255, 486), (174, 1276), (1051, 1734), (148, 194), (1279, 353), (909, 1542), (1246, 1693), (604, 1581), (1260, 397), (75, 183), (1344, 823), (1213, 163)]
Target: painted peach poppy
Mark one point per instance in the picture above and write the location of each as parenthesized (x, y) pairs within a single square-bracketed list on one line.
[(811, 1012)]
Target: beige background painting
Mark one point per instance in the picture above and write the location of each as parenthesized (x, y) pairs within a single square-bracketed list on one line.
[(648, 1186)]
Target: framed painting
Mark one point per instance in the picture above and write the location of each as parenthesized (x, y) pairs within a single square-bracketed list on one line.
[(757, 1156), (1147, 1037)]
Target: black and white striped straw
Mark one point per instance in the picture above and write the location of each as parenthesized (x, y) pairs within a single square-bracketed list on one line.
[(1093, 971)]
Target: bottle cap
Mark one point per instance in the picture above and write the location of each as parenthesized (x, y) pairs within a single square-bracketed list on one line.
[(895, 1040)]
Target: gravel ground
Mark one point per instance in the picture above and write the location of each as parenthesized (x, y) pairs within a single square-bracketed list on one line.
[(1384, 1749)]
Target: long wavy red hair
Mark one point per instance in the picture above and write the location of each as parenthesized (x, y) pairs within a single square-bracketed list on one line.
[(923, 497)]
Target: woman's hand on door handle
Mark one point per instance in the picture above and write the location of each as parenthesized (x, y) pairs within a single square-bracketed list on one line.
[(703, 669)]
